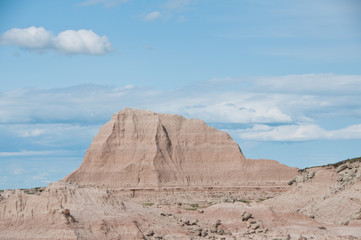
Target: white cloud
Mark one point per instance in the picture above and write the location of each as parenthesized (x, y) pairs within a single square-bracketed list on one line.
[(25, 153), (242, 101), (229, 107), (67, 42), (32, 37), (152, 16), (262, 101), (54, 136), (300, 132), (78, 104), (305, 84), (327, 83), (82, 41), (350, 132), (94, 104), (29, 153)]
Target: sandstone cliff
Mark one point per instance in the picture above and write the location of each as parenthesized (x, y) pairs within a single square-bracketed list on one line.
[(142, 149)]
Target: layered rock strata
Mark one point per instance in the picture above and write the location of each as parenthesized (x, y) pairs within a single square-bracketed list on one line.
[(146, 150)]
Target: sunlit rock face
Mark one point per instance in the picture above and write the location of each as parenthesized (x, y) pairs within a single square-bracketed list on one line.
[(142, 149)]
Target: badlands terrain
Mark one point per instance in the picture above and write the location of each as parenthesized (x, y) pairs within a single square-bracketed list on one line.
[(160, 176)]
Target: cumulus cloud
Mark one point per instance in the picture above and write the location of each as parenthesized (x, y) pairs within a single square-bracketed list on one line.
[(152, 16), (32, 38), (82, 41), (68, 42)]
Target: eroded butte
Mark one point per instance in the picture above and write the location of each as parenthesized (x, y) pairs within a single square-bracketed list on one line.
[(160, 176)]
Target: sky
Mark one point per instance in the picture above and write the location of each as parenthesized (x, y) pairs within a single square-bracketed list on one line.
[(282, 77)]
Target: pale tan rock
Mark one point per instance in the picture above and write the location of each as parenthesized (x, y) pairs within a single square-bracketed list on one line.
[(143, 171), (323, 196), (142, 149), (101, 213)]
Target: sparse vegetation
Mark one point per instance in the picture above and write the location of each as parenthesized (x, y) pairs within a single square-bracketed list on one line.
[(194, 205), (32, 190), (350, 160), (191, 209), (263, 199), (148, 204), (245, 201)]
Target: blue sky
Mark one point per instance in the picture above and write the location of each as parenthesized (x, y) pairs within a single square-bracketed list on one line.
[(282, 77)]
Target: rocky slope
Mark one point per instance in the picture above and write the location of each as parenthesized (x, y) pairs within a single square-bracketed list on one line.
[(158, 176), (141, 149), (329, 194), (322, 203)]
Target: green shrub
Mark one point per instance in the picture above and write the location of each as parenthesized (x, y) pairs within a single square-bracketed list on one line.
[(191, 209), (194, 205)]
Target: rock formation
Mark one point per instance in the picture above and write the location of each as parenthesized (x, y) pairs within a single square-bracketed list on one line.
[(322, 203), (141, 149), (159, 176), (329, 193)]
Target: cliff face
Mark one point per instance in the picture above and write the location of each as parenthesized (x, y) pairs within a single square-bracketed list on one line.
[(142, 149)]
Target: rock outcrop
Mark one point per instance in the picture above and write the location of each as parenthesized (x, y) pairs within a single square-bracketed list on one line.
[(330, 193), (146, 150), (139, 149)]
